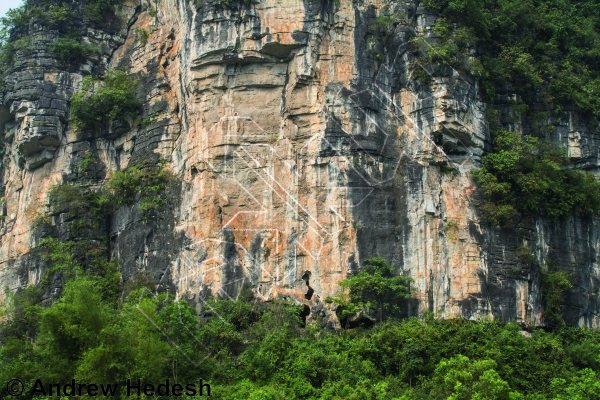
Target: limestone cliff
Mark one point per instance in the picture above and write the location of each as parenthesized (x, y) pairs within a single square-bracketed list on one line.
[(303, 147)]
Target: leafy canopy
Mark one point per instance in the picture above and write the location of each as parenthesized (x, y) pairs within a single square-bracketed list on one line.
[(375, 286), (69, 51), (102, 102), (545, 50), (525, 175), (260, 351)]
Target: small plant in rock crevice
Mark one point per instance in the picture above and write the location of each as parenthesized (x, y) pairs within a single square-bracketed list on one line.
[(452, 229), (89, 159), (143, 34)]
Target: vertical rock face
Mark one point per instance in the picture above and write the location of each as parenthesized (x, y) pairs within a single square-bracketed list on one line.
[(304, 145)]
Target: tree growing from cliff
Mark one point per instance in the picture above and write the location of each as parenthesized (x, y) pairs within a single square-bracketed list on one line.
[(101, 103), (525, 176), (373, 287), (554, 287)]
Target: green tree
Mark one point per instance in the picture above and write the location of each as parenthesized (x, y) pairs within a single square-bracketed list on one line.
[(413, 359), (345, 304), (101, 103), (554, 285), (524, 176), (462, 379), (69, 51), (373, 287), (584, 386)]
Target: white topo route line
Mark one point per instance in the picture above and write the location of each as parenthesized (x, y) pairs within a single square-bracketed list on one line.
[(201, 265)]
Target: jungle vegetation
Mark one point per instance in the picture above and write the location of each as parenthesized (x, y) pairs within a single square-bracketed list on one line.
[(547, 53), (97, 332), (104, 330)]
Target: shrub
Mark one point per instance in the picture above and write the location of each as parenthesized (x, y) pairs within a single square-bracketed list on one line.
[(372, 288), (99, 12), (524, 176), (101, 103), (89, 207), (60, 256), (88, 161), (20, 312), (149, 180), (143, 34), (69, 51), (524, 254), (460, 378), (546, 50), (554, 285), (452, 230), (78, 201)]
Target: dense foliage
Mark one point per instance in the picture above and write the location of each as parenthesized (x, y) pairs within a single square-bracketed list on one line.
[(547, 50), (88, 208), (374, 287), (264, 352), (554, 285), (525, 175), (99, 12), (69, 51), (102, 102)]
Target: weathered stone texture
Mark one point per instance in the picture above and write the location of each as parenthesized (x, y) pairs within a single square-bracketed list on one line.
[(299, 155)]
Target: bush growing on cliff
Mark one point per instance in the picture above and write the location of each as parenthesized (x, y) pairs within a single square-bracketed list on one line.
[(256, 351), (525, 176), (99, 12), (90, 207), (374, 287), (554, 285), (102, 102), (143, 34), (150, 181), (71, 51), (544, 50)]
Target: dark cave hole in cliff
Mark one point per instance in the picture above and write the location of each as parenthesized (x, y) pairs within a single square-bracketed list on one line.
[(304, 314), (194, 171), (309, 293)]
